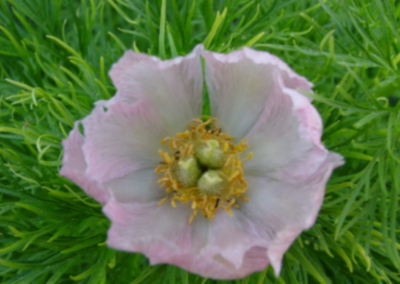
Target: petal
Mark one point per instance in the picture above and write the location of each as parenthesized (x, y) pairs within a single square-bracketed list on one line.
[(173, 87), (310, 120), (231, 237), (282, 210), (139, 186), (139, 226), (286, 137), (240, 84), (74, 166), (163, 234), (122, 139)]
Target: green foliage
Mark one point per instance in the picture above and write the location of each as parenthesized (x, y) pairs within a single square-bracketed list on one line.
[(54, 57)]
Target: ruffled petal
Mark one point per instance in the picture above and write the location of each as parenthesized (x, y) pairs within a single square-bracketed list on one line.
[(240, 84), (163, 234), (74, 166), (138, 225), (286, 137), (231, 237), (173, 87), (122, 139), (281, 210)]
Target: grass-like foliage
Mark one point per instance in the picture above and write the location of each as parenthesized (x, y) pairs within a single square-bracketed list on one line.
[(54, 59)]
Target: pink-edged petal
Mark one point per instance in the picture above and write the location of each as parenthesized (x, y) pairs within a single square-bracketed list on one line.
[(281, 210), (254, 260), (74, 166), (291, 79), (122, 139), (310, 120), (240, 84), (137, 227), (286, 137), (173, 87), (163, 234), (231, 237), (137, 187)]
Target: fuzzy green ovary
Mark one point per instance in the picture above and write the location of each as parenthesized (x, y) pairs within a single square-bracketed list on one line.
[(189, 172), (211, 183), (210, 154), (202, 171)]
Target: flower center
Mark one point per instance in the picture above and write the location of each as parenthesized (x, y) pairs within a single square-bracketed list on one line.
[(203, 167)]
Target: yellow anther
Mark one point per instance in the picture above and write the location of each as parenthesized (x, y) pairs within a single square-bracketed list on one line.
[(230, 203), (228, 161), (163, 179), (167, 158), (205, 200), (194, 213), (162, 201), (228, 207), (226, 147), (190, 150), (175, 184), (233, 175)]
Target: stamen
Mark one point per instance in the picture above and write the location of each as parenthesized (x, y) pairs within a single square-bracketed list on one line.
[(203, 168), (162, 201), (249, 156)]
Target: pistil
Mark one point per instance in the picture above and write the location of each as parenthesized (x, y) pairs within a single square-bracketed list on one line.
[(211, 183), (210, 154), (188, 172)]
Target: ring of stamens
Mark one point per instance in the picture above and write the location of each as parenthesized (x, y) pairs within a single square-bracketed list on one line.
[(203, 167)]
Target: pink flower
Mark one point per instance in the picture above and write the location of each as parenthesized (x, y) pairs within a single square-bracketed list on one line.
[(222, 198)]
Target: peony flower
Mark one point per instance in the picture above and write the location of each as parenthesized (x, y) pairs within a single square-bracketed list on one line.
[(221, 197)]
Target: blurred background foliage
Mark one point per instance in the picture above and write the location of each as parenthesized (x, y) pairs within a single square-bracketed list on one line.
[(54, 59)]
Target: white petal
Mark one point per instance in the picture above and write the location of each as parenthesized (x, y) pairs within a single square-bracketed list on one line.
[(122, 139), (286, 137), (173, 87), (240, 84), (139, 186), (282, 210), (231, 237), (163, 234), (74, 166)]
